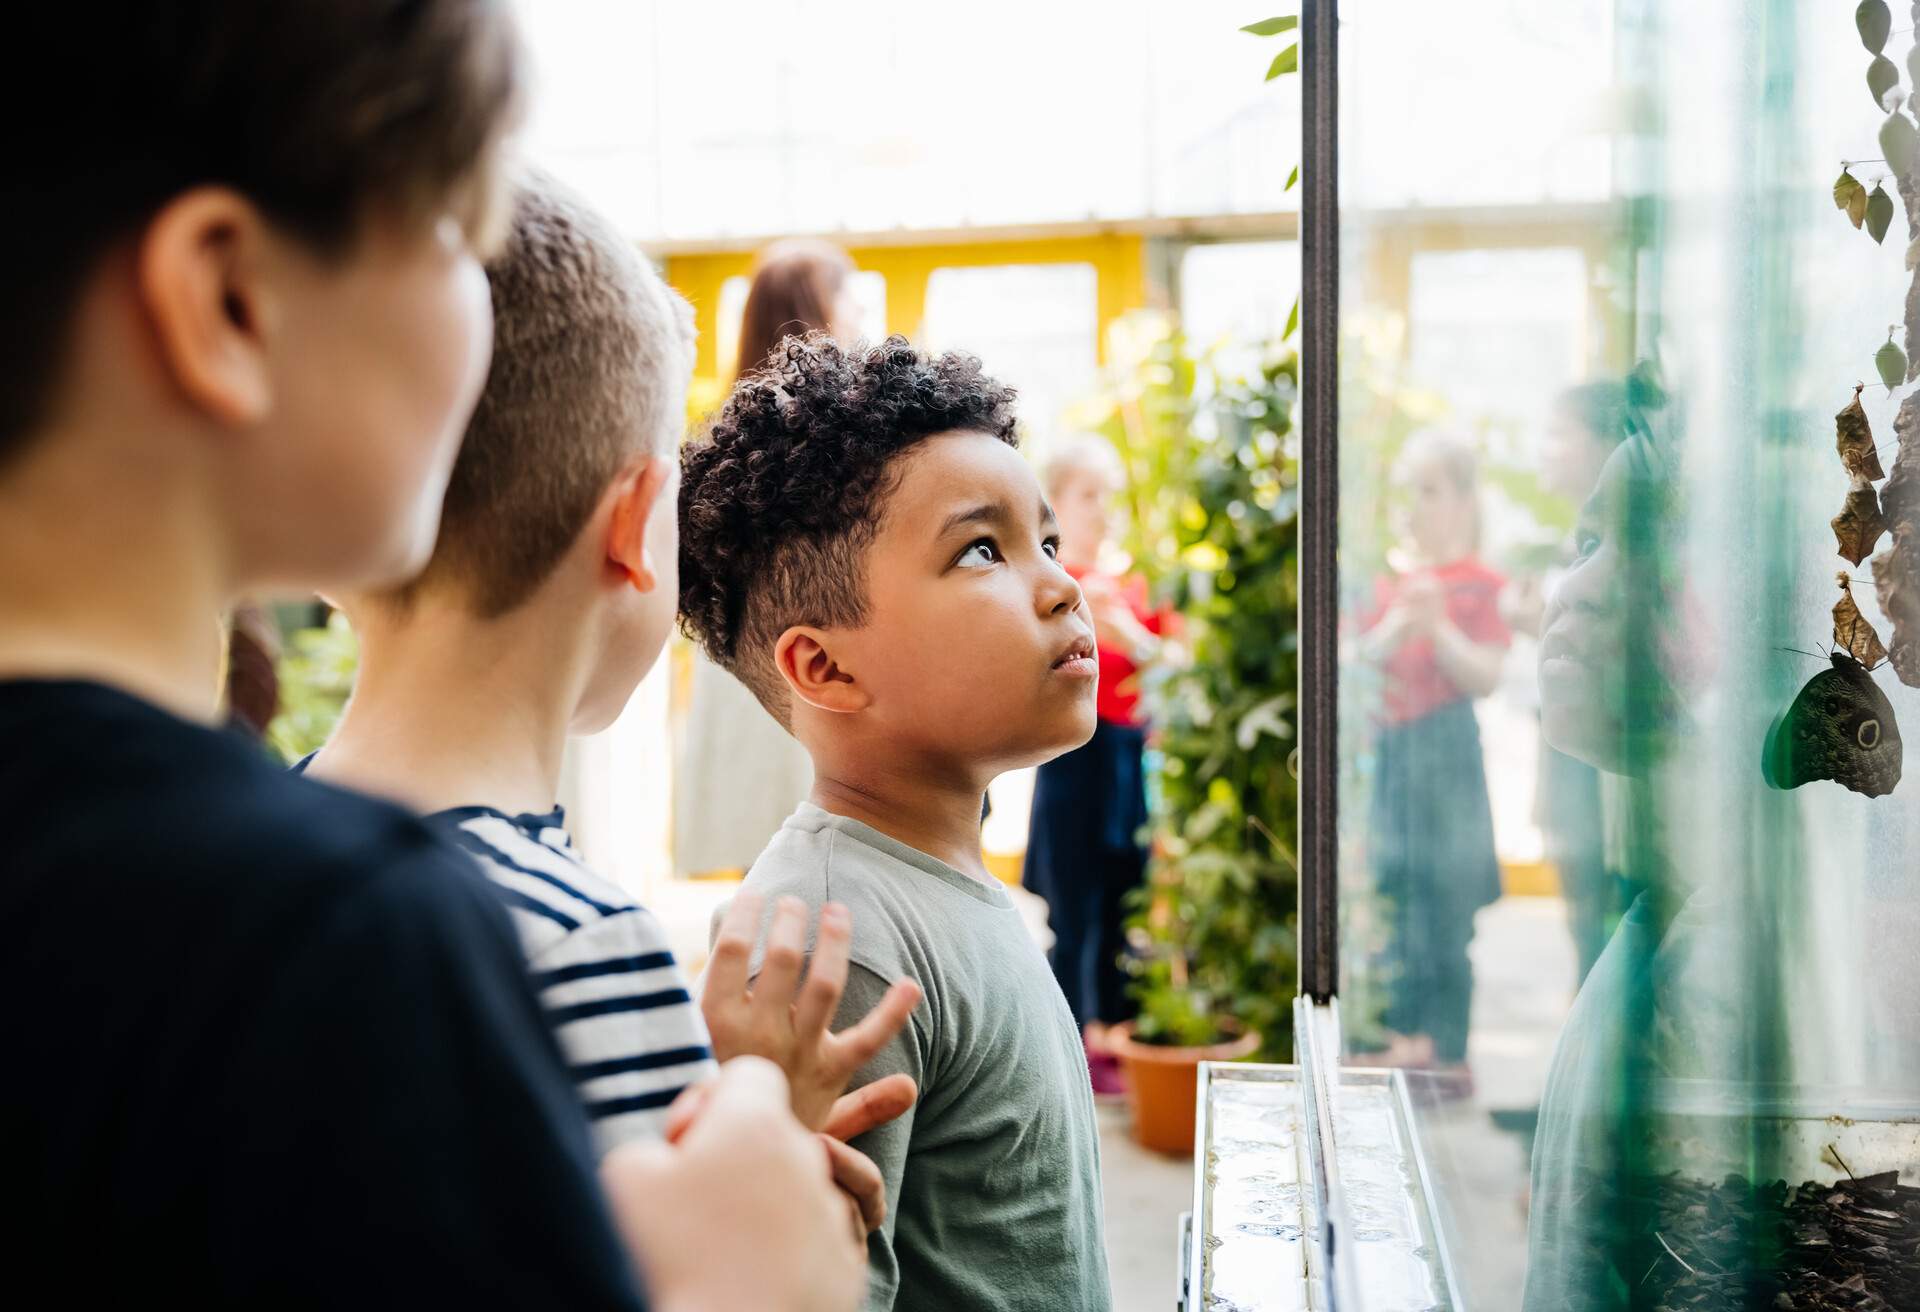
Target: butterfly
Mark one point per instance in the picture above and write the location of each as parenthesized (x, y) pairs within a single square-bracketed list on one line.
[(1840, 727)]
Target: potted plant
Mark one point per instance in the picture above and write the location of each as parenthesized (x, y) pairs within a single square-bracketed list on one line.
[(1215, 485)]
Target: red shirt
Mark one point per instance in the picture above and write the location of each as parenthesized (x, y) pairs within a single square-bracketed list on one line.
[(1119, 697), (1415, 683)]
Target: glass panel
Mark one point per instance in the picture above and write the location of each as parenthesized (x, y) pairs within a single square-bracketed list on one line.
[(1624, 843), (1472, 890)]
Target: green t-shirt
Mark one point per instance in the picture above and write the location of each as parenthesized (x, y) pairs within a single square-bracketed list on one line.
[(993, 1179)]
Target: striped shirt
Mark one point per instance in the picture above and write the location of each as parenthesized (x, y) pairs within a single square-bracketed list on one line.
[(615, 997)]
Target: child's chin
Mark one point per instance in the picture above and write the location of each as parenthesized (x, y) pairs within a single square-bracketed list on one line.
[(1069, 732)]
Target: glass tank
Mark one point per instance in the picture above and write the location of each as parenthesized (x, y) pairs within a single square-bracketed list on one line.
[(1627, 626)]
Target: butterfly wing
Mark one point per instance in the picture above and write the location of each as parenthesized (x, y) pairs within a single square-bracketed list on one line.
[(1840, 727)]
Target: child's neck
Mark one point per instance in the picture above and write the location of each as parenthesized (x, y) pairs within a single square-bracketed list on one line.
[(450, 710), (111, 570), (940, 817)]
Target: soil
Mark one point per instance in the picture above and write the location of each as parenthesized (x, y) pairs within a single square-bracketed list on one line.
[(1704, 1247)]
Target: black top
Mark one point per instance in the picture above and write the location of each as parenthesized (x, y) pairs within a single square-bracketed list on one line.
[(266, 1043)]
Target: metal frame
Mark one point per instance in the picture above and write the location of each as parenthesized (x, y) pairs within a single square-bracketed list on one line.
[(1319, 501), (1338, 1281)]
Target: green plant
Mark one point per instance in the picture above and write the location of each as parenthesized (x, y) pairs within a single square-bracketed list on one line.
[(316, 674), (1212, 466)]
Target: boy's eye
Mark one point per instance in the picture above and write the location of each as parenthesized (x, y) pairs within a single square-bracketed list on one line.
[(1052, 547), (1585, 544), (982, 552)]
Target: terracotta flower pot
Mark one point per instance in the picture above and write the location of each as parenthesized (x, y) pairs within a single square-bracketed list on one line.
[(1160, 1084)]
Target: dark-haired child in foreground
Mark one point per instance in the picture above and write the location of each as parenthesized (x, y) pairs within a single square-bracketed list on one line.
[(865, 549), (271, 1044)]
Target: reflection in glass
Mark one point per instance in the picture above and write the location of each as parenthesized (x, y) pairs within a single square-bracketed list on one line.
[(1689, 1075)]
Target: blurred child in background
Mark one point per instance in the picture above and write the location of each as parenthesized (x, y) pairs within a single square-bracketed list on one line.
[(1438, 638), (1084, 852)]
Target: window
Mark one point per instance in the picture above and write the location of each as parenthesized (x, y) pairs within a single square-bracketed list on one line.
[(1239, 291), (1034, 326)]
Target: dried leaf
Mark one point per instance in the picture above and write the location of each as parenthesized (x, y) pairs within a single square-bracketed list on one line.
[(1883, 75), (1853, 438), (1851, 630), (1891, 361), (1873, 21), (1879, 214), (1849, 195), (1858, 526)]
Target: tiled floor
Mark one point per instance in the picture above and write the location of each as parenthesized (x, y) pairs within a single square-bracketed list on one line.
[(1145, 1195)]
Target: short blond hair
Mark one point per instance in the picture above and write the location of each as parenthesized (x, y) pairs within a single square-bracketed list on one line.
[(1454, 456), (1079, 453), (592, 353)]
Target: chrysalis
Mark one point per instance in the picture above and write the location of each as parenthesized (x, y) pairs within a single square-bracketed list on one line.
[(1851, 631), (1854, 440), (1858, 526)]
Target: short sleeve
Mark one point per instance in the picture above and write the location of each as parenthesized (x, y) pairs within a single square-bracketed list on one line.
[(397, 1102)]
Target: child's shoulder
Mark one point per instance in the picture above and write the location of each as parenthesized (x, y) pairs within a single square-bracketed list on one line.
[(554, 895), (183, 824), (813, 860)]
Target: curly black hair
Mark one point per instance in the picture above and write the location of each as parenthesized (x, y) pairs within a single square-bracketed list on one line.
[(783, 494)]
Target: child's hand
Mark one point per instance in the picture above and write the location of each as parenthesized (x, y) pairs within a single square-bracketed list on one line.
[(854, 1173), (1114, 624), (767, 1020), (861, 1182), (1425, 603), (738, 1207)]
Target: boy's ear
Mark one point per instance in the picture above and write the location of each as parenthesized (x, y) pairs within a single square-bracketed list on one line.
[(636, 499), (813, 675), (199, 269)]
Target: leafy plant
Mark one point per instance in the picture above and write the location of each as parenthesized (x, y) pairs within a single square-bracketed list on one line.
[(1213, 468), (1288, 60), (316, 674)]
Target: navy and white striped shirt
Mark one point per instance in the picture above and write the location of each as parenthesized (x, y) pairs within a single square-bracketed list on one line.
[(614, 995)]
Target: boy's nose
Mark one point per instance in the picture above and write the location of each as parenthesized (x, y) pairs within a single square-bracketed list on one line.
[(1059, 592)]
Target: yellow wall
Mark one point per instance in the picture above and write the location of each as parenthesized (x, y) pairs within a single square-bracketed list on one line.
[(1118, 260)]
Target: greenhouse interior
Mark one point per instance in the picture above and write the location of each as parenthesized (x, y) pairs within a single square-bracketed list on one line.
[(1242, 656)]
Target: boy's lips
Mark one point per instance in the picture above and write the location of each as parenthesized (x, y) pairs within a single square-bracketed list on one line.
[(1078, 658)]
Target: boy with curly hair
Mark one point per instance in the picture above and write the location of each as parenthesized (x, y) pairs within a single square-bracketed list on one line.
[(863, 547)]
